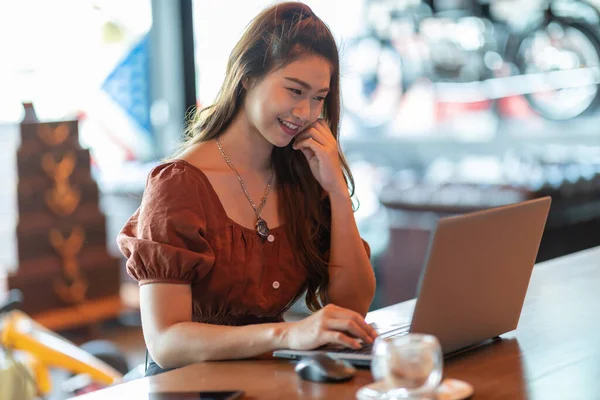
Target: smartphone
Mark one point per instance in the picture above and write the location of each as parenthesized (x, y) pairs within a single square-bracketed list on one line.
[(225, 395)]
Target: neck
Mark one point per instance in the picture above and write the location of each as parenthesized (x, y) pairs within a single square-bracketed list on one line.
[(245, 146)]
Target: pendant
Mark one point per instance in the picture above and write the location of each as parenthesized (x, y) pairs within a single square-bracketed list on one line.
[(261, 228)]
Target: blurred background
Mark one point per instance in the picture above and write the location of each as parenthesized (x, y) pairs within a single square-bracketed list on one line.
[(449, 106)]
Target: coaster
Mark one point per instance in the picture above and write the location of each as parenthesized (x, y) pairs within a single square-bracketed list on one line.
[(453, 389), (449, 389)]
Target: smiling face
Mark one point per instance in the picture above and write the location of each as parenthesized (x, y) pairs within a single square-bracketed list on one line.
[(289, 99)]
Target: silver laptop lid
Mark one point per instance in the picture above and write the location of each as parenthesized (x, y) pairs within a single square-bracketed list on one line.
[(477, 271)]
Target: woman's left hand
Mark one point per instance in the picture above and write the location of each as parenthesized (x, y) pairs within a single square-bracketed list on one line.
[(321, 150)]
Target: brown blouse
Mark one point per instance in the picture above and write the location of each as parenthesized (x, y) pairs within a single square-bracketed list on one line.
[(181, 234)]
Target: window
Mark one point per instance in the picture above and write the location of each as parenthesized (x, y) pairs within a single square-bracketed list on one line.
[(81, 59)]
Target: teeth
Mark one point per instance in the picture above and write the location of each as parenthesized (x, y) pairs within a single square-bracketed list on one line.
[(291, 126)]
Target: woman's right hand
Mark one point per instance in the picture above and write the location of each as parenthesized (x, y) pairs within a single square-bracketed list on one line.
[(331, 324)]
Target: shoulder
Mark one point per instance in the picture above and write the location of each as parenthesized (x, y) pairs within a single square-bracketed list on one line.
[(187, 165), (203, 156), (176, 184), (174, 172)]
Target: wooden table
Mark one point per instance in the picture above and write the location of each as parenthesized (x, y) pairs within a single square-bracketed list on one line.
[(554, 353)]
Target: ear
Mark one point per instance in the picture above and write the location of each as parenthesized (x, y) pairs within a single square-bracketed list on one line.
[(246, 82)]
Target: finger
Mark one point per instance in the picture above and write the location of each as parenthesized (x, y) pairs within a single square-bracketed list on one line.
[(323, 126), (314, 134), (321, 130), (309, 143), (337, 337), (351, 327), (308, 153), (317, 129), (344, 313), (367, 330), (302, 136), (373, 331)]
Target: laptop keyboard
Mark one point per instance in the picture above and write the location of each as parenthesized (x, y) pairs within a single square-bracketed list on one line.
[(367, 348)]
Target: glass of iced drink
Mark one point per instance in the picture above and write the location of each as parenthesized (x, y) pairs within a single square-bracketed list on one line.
[(410, 365)]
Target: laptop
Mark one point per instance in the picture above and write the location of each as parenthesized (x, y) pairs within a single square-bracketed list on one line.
[(472, 286)]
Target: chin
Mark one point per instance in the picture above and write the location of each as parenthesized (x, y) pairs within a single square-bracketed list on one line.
[(280, 140)]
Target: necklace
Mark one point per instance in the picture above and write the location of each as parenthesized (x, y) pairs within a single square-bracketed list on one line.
[(262, 229)]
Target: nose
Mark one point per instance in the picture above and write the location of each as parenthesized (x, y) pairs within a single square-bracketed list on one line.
[(302, 111)]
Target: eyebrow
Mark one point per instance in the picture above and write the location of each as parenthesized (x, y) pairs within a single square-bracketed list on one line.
[(305, 85)]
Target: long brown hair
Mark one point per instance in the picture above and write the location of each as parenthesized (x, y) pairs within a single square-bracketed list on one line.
[(275, 38)]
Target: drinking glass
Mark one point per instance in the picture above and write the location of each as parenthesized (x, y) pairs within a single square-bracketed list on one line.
[(410, 366)]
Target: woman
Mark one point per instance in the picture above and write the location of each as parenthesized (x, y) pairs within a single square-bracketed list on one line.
[(255, 210)]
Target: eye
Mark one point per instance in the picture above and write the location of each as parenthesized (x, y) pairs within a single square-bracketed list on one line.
[(320, 98), (295, 91)]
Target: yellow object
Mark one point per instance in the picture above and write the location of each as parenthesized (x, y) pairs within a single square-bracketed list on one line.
[(41, 375), (19, 332)]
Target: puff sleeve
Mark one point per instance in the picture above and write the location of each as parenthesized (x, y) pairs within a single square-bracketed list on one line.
[(164, 241)]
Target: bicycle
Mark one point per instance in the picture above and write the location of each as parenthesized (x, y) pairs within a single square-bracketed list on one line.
[(28, 350), (471, 54)]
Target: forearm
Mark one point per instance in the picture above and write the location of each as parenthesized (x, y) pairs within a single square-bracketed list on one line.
[(351, 277), (191, 342)]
